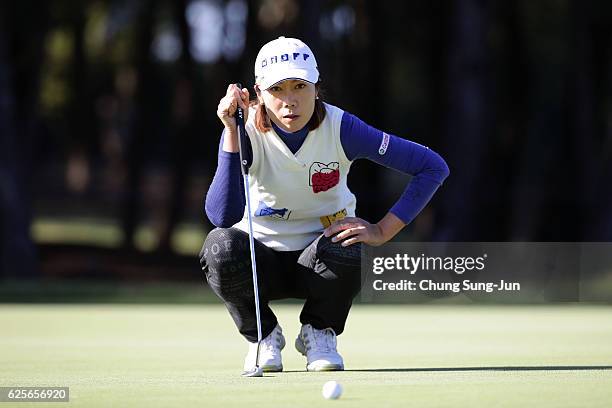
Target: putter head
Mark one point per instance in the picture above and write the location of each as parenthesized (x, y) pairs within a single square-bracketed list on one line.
[(256, 371)]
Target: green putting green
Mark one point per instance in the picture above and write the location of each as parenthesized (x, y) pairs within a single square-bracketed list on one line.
[(433, 355)]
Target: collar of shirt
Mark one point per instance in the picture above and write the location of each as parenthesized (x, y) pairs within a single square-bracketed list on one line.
[(293, 140)]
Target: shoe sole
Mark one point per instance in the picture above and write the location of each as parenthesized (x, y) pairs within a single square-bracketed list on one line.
[(299, 346), (272, 369), (329, 367)]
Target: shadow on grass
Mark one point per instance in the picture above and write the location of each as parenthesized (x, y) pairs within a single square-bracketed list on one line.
[(499, 368)]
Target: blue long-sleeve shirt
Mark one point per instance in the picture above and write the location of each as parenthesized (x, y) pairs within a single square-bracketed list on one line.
[(225, 199)]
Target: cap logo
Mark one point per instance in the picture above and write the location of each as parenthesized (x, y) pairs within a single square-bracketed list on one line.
[(284, 58)]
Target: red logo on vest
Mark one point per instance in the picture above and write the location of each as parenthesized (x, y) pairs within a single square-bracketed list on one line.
[(323, 176)]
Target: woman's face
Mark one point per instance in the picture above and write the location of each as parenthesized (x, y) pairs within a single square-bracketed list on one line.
[(290, 103)]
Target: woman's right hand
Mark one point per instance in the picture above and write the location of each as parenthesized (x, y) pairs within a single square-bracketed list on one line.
[(227, 108)]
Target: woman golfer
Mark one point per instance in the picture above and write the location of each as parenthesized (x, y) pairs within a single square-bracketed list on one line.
[(307, 237)]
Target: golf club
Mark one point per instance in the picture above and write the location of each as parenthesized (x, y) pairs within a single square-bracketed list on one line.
[(257, 371)]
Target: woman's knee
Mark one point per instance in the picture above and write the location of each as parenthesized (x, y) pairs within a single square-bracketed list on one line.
[(333, 253), (223, 245), (226, 264), (224, 253)]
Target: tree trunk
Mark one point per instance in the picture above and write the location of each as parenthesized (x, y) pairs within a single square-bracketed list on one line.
[(466, 120), (142, 128), (21, 54)]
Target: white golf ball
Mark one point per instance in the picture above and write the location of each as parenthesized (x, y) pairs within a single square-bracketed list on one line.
[(331, 390)]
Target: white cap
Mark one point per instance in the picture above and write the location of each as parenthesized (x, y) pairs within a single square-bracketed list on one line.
[(285, 58)]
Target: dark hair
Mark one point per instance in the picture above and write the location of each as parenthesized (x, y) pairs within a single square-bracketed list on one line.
[(262, 121)]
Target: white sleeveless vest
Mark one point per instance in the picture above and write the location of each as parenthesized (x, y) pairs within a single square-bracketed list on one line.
[(294, 197)]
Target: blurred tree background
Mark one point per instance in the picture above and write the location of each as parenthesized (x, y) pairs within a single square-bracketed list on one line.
[(109, 136)]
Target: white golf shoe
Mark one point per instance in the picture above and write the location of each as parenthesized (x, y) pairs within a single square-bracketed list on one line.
[(319, 347), (270, 353)]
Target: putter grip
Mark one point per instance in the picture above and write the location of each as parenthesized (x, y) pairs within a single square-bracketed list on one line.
[(242, 139)]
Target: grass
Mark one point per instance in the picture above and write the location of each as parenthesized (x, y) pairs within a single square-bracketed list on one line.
[(191, 355)]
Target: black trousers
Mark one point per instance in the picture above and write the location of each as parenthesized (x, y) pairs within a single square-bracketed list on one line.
[(326, 274)]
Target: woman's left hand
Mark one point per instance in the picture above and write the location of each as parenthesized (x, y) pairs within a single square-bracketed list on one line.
[(351, 230)]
